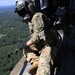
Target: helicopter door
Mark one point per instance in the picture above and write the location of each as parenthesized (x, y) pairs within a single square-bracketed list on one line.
[(41, 4)]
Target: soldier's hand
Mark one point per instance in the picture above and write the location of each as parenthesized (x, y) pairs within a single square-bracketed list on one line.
[(22, 46)]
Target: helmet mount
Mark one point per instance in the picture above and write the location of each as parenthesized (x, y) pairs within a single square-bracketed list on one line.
[(25, 8), (30, 7)]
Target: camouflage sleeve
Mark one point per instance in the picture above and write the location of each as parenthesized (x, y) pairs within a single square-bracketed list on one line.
[(38, 26)]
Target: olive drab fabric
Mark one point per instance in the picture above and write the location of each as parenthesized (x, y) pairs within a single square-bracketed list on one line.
[(45, 39)]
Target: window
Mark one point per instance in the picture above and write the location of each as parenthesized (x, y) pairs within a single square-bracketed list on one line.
[(32, 0), (43, 4)]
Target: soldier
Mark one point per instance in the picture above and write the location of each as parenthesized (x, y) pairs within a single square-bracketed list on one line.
[(44, 38)]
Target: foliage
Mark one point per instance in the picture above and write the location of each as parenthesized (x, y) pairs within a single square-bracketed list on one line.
[(12, 31)]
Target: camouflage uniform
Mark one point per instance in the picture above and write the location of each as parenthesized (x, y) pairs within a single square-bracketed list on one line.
[(38, 32)]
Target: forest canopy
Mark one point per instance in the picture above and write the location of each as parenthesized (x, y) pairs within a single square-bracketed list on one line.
[(12, 31)]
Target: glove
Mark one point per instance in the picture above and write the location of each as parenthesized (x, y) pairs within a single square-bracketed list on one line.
[(22, 46)]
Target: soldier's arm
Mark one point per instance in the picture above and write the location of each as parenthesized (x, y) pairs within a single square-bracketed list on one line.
[(38, 25)]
